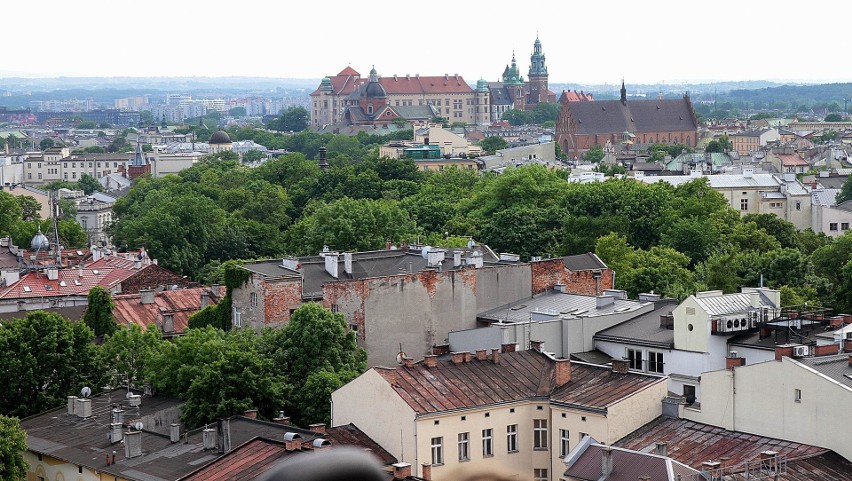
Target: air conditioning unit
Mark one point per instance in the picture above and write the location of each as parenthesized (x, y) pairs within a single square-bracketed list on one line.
[(800, 351)]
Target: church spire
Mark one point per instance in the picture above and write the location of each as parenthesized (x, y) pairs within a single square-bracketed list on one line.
[(537, 65), (623, 93)]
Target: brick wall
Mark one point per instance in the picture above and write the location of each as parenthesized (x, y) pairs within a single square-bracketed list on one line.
[(546, 274), (152, 277), (279, 298)]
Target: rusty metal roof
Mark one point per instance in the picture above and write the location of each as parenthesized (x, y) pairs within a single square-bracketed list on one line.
[(693, 443), (628, 465), (180, 303), (519, 376)]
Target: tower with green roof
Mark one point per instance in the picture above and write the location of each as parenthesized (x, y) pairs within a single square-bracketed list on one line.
[(538, 89)]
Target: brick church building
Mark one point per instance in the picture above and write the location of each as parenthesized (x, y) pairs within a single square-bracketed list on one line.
[(583, 125)]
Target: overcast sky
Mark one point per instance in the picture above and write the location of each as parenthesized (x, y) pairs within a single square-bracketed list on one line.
[(585, 42)]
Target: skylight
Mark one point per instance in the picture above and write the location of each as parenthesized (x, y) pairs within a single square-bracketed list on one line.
[(27, 289), (62, 284), (76, 282)]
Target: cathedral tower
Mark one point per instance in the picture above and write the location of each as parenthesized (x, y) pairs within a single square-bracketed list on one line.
[(538, 91)]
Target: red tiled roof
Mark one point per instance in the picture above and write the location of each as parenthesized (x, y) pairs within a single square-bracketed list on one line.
[(181, 303), (69, 282), (792, 160), (349, 71), (693, 443), (425, 85), (519, 375)]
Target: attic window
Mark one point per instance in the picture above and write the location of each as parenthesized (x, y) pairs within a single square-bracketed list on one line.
[(27, 289), (62, 284), (76, 282), (79, 253), (95, 271)]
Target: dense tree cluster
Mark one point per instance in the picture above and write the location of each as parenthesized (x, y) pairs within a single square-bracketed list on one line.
[(20, 218), (216, 373)]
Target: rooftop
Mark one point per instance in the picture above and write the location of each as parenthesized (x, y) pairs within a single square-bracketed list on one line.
[(626, 465), (518, 376), (645, 329), (556, 305), (834, 367), (179, 303)]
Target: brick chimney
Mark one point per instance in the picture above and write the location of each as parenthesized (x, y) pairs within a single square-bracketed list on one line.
[(440, 349), (724, 461), (783, 350), (408, 362), (430, 361), (508, 347), (733, 360), (621, 365), (481, 354), (468, 356), (457, 357), (250, 413), (662, 448), (536, 345), (317, 428), (426, 471), (495, 356), (826, 350), (401, 470), (562, 372)]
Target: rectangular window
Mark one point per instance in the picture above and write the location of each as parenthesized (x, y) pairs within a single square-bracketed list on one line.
[(689, 393), (798, 396), (464, 446), (487, 443), (237, 318), (512, 438), (743, 204), (438, 450), (540, 475), (844, 226), (634, 356), (655, 362), (832, 226), (798, 205), (539, 433), (254, 299), (564, 442)]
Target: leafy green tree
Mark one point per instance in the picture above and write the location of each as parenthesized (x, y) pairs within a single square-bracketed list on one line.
[(294, 119), (13, 445), (89, 184), (545, 112), (45, 358), (46, 143), (492, 144), (350, 224), (253, 156), (661, 270), (30, 208), (783, 231), (524, 230), (87, 124), (517, 117), (98, 315), (237, 112), (10, 212), (128, 352), (845, 191), (713, 146), (595, 154), (146, 117), (833, 118), (318, 353)]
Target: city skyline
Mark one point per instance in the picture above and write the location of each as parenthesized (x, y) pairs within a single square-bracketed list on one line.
[(661, 42)]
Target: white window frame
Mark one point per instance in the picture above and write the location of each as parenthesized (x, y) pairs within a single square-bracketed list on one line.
[(437, 451), (540, 434), (564, 442), (487, 443), (512, 438), (464, 446)]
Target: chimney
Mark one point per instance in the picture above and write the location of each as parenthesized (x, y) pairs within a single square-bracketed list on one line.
[(132, 444), (174, 432), (116, 432), (224, 435), (755, 299), (604, 301), (426, 472), (711, 466), (347, 263), (667, 321), (118, 416), (408, 362), (733, 360), (388, 245), (621, 365), (331, 264), (662, 448), (457, 357), (783, 350), (401, 470), (72, 405), (468, 356), (606, 461), (208, 436), (481, 354), (457, 259), (168, 323), (440, 349), (52, 274), (250, 413), (562, 372), (317, 428), (83, 409), (146, 296), (430, 361), (281, 419), (205, 299), (724, 461), (495, 356), (536, 345), (509, 347)]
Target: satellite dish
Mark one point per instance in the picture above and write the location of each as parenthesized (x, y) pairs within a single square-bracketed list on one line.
[(128, 394), (425, 252), (86, 391), (138, 425)]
